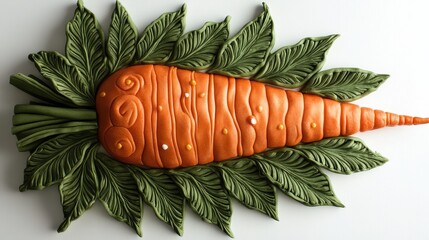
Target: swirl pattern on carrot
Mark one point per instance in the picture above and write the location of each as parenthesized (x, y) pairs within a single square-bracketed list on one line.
[(124, 111), (119, 141), (130, 83)]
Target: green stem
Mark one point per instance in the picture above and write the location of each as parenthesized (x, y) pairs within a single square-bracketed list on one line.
[(23, 118), (28, 140), (35, 124), (57, 112), (33, 131)]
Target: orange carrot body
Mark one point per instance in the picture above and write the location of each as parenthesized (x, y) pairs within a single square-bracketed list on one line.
[(165, 117)]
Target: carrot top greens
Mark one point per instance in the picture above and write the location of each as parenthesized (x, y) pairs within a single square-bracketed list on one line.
[(60, 128)]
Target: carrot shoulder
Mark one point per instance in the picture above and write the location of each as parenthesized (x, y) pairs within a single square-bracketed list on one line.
[(165, 117)]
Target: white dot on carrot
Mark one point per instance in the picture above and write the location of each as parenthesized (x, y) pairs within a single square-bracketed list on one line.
[(164, 146), (186, 95), (252, 120)]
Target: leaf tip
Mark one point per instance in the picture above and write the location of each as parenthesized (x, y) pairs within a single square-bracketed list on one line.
[(80, 4), (139, 231), (179, 230), (118, 4), (228, 231), (32, 56), (183, 8), (384, 76), (275, 216), (63, 226), (227, 19), (334, 36), (23, 187), (265, 6), (337, 203)]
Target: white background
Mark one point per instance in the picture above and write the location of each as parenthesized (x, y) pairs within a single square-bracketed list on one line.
[(389, 202)]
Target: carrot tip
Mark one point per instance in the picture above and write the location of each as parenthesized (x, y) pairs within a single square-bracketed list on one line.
[(418, 120)]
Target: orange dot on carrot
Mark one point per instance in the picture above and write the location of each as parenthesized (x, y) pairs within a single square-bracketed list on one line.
[(260, 108), (280, 127), (202, 95), (102, 94), (188, 146), (119, 146), (225, 131), (193, 83), (313, 125), (128, 81)]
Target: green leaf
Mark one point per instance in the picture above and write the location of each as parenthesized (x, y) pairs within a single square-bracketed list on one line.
[(344, 84), (246, 184), (122, 39), (85, 47), (341, 155), (197, 49), (118, 191), (245, 53), (63, 77), (292, 66), (162, 194), (39, 89), (202, 187), (159, 38), (78, 190), (55, 158), (300, 179)]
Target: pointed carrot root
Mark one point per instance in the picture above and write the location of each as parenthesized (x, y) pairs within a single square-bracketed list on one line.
[(344, 119), (419, 120), (386, 119)]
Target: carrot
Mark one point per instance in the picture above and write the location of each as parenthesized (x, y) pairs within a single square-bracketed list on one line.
[(165, 117)]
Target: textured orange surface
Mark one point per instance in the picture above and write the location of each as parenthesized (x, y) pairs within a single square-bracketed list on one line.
[(164, 117)]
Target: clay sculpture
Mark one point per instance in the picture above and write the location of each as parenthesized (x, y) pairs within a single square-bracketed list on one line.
[(197, 117)]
